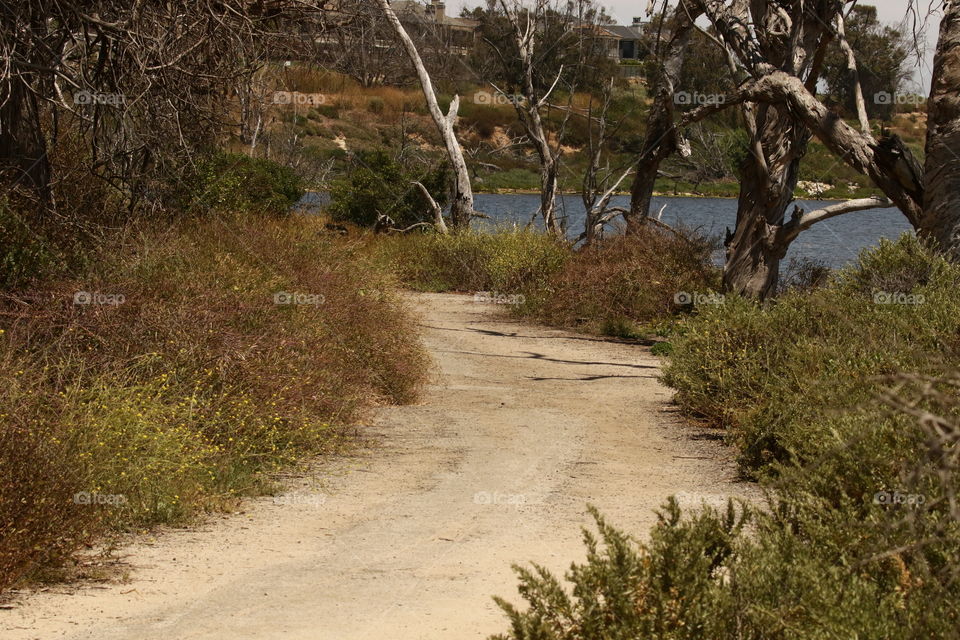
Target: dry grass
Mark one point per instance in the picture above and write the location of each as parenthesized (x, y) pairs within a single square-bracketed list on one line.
[(625, 281), (195, 388)]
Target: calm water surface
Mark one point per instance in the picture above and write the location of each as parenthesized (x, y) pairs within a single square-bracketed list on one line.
[(835, 242)]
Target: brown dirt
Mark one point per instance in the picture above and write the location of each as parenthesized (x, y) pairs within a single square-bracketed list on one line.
[(409, 538)]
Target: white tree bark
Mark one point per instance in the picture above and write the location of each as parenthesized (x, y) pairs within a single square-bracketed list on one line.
[(461, 208), (529, 109), (855, 75)]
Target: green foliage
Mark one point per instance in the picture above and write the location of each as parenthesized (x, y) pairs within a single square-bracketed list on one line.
[(236, 182), (515, 179), (858, 537), (741, 366), (662, 349), (882, 53), (558, 49), (378, 184), (24, 254), (784, 573)]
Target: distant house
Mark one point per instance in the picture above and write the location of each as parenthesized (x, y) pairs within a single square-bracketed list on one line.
[(457, 34), (630, 40), (625, 44)]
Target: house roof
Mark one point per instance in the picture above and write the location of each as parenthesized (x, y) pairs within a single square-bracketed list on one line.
[(624, 32)]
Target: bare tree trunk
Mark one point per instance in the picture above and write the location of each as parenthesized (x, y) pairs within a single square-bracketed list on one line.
[(461, 207), (529, 109), (662, 138), (888, 162), (767, 182), (549, 170), (941, 207), (597, 191)]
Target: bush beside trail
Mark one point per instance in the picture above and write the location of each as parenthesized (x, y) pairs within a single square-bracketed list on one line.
[(622, 286), (181, 369)]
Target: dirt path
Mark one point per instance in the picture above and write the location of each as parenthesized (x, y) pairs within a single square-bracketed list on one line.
[(410, 538)]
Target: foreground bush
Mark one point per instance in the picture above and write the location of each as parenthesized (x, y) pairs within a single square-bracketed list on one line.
[(748, 574), (182, 371)]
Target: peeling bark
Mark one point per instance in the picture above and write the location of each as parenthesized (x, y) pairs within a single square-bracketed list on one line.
[(941, 216)]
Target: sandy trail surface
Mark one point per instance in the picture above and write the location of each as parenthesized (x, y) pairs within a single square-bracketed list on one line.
[(410, 537)]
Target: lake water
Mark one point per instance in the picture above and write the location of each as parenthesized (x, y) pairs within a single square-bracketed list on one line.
[(835, 242)]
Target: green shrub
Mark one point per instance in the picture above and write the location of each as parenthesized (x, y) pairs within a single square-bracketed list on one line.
[(236, 182), (24, 252), (783, 379), (845, 401), (377, 184)]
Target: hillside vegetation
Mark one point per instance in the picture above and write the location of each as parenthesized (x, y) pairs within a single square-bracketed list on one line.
[(355, 119)]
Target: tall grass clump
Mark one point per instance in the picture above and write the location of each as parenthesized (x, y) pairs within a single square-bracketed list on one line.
[(180, 372), (506, 261), (845, 402)]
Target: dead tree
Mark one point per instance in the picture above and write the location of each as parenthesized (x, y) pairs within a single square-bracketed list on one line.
[(542, 49), (143, 86), (525, 23), (461, 207), (600, 185)]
